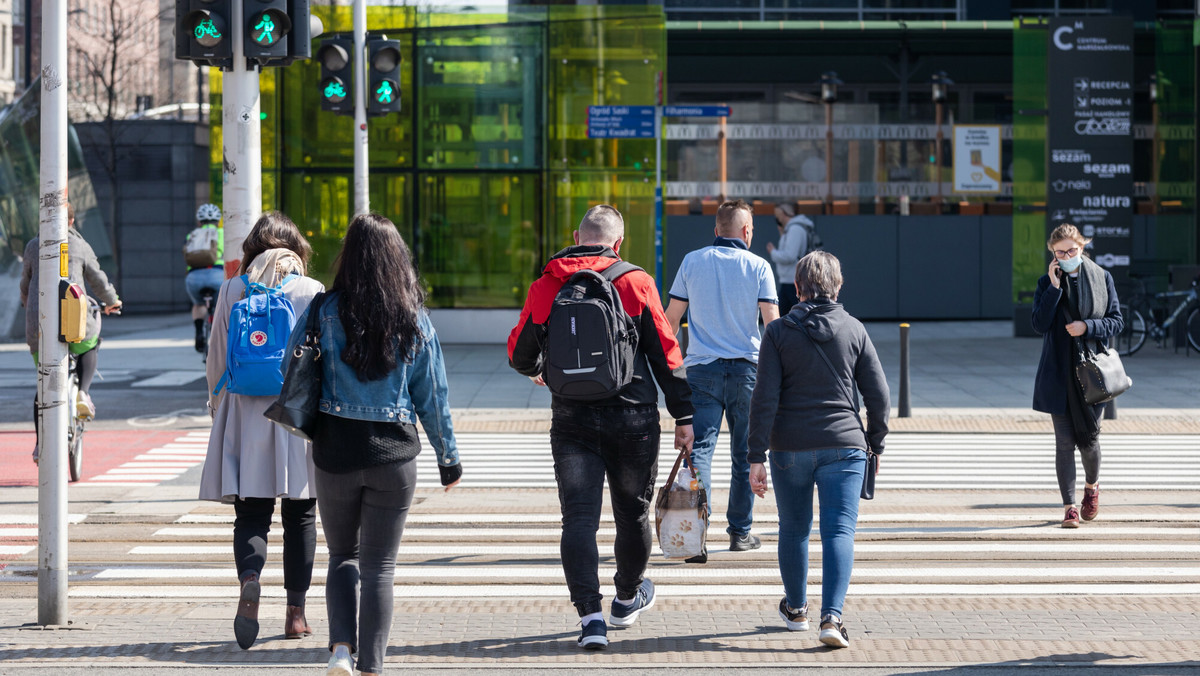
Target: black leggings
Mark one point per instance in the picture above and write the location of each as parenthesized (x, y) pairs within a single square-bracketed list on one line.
[(250, 528), (1064, 458), (86, 364)]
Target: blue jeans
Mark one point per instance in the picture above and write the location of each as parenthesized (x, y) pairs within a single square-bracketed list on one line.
[(588, 444), (204, 278), (724, 387), (838, 475)]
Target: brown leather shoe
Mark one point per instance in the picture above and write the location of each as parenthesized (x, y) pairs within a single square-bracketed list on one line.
[(245, 623), (1091, 503), (295, 626)]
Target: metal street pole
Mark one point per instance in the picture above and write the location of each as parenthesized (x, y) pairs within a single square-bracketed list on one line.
[(241, 145), (362, 202), (52, 418), (658, 202)]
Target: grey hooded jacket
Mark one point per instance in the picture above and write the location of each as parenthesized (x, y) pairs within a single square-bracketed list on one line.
[(797, 403), (82, 266)]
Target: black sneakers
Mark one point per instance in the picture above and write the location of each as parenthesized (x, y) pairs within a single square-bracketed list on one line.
[(796, 619), (833, 634), (744, 543)]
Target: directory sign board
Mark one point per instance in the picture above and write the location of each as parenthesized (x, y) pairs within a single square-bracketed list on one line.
[(621, 122), (696, 111), (977, 159), (1089, 182)]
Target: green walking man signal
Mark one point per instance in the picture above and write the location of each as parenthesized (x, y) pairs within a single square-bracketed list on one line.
[(385, 92), (267, 27)]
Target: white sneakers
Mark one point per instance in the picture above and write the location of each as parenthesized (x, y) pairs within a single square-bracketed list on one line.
[(340, 664)]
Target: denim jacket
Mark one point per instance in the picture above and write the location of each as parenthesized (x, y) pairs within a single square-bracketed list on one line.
[(414, 389)]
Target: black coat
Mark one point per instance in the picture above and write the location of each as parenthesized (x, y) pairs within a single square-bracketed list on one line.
[(1050, 319)]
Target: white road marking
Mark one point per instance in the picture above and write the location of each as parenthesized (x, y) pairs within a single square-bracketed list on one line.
[(169, 378), (671, 591), (1073, 547), (23, 519), (665, 572), (18, 532), (16, 550)]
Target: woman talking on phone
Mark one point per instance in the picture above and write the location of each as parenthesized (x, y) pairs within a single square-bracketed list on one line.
[(1074, 299)]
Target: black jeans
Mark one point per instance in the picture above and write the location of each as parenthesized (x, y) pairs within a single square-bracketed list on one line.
[(1064, 458), (787, 297), (251, 525), (363, 514), (589, 443)]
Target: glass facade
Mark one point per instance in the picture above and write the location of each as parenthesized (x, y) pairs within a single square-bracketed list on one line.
[(487, 169), (1029, 157)]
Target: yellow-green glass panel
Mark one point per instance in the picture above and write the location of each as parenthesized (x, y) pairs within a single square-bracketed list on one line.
[(477, 238), (481, 97), (601, 61), (1029, 158), (573, 193)]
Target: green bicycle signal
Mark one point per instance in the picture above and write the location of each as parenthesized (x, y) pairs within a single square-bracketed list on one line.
[(335, 91), (206, 31), (385, 93), (206, 28)]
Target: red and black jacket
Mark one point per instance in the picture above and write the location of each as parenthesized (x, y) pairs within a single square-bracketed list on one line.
[(656, 341)]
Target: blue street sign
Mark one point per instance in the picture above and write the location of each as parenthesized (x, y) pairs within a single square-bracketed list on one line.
[(696, 111), (621, 122)]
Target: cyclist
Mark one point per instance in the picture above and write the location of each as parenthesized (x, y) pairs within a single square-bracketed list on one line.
[(82, 268), (204, 253)]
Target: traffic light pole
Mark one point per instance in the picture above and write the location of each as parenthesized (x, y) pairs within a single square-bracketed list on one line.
[(241, 145), (52, 409), (361, 197)]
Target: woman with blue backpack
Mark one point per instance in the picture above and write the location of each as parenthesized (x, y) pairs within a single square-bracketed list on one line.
[(382, 370), (252, 461)]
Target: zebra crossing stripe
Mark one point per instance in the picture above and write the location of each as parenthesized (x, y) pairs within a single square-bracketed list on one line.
[(559, 591), (661, 572), (1066, 547)]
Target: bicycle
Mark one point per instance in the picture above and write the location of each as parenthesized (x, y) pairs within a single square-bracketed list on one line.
[(1143, 319), (209, 297), (76, 424)]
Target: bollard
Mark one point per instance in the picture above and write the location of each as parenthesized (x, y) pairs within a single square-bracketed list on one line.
[(1110, 410), (905, 398)]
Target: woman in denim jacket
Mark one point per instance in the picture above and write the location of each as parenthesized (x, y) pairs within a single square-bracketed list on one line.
[(382, 368)]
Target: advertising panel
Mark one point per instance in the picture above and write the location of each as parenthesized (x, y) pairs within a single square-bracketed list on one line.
[(1089, 181), (977, 159)]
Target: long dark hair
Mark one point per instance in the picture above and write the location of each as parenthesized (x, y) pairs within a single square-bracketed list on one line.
[(380, 297), (274, 230)]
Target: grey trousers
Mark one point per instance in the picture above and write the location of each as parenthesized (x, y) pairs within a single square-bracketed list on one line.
[(363, 514), (1064, 458)]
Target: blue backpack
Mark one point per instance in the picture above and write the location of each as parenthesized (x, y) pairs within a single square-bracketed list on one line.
[(259, 327)]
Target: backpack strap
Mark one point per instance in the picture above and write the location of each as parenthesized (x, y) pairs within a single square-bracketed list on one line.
[(618, 269)]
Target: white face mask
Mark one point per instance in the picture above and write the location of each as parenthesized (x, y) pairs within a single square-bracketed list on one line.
[(1071, 264)]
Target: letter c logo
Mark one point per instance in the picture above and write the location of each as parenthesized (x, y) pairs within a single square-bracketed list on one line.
[(1058, 38)]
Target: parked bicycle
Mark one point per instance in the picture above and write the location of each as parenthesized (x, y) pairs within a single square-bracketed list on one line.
[(1150, 315)]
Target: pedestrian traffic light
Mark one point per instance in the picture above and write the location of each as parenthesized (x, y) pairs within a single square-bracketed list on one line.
[(337, 75), (265, 27), (202, 32), (305, 27), (383, 82)]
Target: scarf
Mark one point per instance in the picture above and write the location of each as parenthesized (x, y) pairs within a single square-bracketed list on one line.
[(271, 266), (1091, 302)]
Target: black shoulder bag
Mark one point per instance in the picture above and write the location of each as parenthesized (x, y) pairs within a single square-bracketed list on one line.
[(1098, 371), (868, 487), (299, 401)]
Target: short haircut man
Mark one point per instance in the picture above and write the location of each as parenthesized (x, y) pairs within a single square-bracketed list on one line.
[(724, 289), (614, 438), (602, 224)]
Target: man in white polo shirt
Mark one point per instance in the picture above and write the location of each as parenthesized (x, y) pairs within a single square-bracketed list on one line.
[(724, 288)]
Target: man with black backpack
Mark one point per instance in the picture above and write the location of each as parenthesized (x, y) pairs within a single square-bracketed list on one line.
[(593, 330)]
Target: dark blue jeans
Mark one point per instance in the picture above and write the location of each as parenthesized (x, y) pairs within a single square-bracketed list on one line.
[(837, 474), (724, 387), (590, 443)]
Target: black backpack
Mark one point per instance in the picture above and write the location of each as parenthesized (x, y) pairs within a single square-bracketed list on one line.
[(591, 342)]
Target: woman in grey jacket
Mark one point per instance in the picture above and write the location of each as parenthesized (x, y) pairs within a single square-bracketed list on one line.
[(82, 267), (811, 366)]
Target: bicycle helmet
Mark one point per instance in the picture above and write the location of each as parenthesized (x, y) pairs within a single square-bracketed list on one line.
[(208, 213)]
